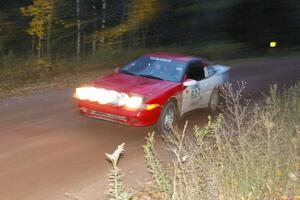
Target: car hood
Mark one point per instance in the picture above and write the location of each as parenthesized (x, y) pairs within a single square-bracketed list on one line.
[(133, 84)]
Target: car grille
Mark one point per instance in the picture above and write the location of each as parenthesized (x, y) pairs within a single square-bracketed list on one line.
[(103, 115)]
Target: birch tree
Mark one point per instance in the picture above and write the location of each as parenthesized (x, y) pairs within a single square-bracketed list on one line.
[(78, 28)]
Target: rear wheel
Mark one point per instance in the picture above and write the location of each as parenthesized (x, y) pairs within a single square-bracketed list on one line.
[(167, 119), (214, 101)]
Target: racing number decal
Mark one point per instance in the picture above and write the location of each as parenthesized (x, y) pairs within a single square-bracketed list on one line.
[(196, 92)]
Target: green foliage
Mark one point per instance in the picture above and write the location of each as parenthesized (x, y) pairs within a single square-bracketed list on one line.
[(41, 13)]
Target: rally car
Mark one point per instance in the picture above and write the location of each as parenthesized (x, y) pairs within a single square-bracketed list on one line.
[(155, 89)]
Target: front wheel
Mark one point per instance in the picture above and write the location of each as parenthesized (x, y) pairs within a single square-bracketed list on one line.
[(214, 101), (167, 119)]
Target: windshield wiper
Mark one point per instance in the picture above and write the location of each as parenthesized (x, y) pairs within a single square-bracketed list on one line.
[(127, 72), (150, 76)]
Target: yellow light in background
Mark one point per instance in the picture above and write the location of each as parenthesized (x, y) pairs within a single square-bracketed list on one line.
[(273, 44)]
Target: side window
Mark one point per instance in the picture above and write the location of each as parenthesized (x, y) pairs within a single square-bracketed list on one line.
[(195, 71), (210, 71), (206, 72)]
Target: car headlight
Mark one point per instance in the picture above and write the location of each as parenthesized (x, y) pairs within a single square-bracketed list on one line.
[(84, 93), (130, 102), (134, 102), (123, 99), (106, 97), (103, 96), (93, 94)]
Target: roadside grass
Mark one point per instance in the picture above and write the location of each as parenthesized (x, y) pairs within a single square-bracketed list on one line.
[(243, 153)]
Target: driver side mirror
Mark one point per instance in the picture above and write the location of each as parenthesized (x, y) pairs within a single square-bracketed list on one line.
[(189, 82), (117, 69)]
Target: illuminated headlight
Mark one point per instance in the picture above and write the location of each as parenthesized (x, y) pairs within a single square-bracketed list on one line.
[(103, 96), (95, 94), (107, 97), (84, 93), (130, 102), (134, 102), (99, 95), (124, 98)]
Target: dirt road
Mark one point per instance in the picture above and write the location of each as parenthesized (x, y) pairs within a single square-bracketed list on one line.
[(49, 151)]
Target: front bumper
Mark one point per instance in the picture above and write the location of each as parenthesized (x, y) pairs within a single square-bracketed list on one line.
[(120, 115)]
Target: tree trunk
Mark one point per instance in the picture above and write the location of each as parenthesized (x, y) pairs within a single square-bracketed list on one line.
[(103, 22), (83, 44), (94, 43), (124, 37), (40, 47), (144, 31), (78, 28), (49, 27), (33, 45)]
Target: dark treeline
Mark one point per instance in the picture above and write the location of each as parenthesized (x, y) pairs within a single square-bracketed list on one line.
[(58, 28)]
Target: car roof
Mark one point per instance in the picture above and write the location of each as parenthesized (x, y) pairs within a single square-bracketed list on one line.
[(172, 56)]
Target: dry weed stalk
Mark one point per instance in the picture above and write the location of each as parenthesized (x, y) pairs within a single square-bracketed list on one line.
[(260, 161), (115, 189)]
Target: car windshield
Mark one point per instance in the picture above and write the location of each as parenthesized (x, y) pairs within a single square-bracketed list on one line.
[(156, 68)]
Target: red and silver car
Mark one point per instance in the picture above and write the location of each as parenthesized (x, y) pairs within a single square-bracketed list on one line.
[(155, 89)]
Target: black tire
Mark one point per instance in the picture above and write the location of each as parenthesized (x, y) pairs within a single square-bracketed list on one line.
[(214, 101), (169, 115)]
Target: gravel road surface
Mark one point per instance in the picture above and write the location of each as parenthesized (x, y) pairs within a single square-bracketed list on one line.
[(49, 151)]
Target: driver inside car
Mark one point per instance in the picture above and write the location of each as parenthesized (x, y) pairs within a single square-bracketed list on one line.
[(157, 70)]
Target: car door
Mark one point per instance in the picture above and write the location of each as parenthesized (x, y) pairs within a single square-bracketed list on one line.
[(206, 86), (195, 96)]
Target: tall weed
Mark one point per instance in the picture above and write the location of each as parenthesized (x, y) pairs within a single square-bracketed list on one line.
[(244, 153)]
